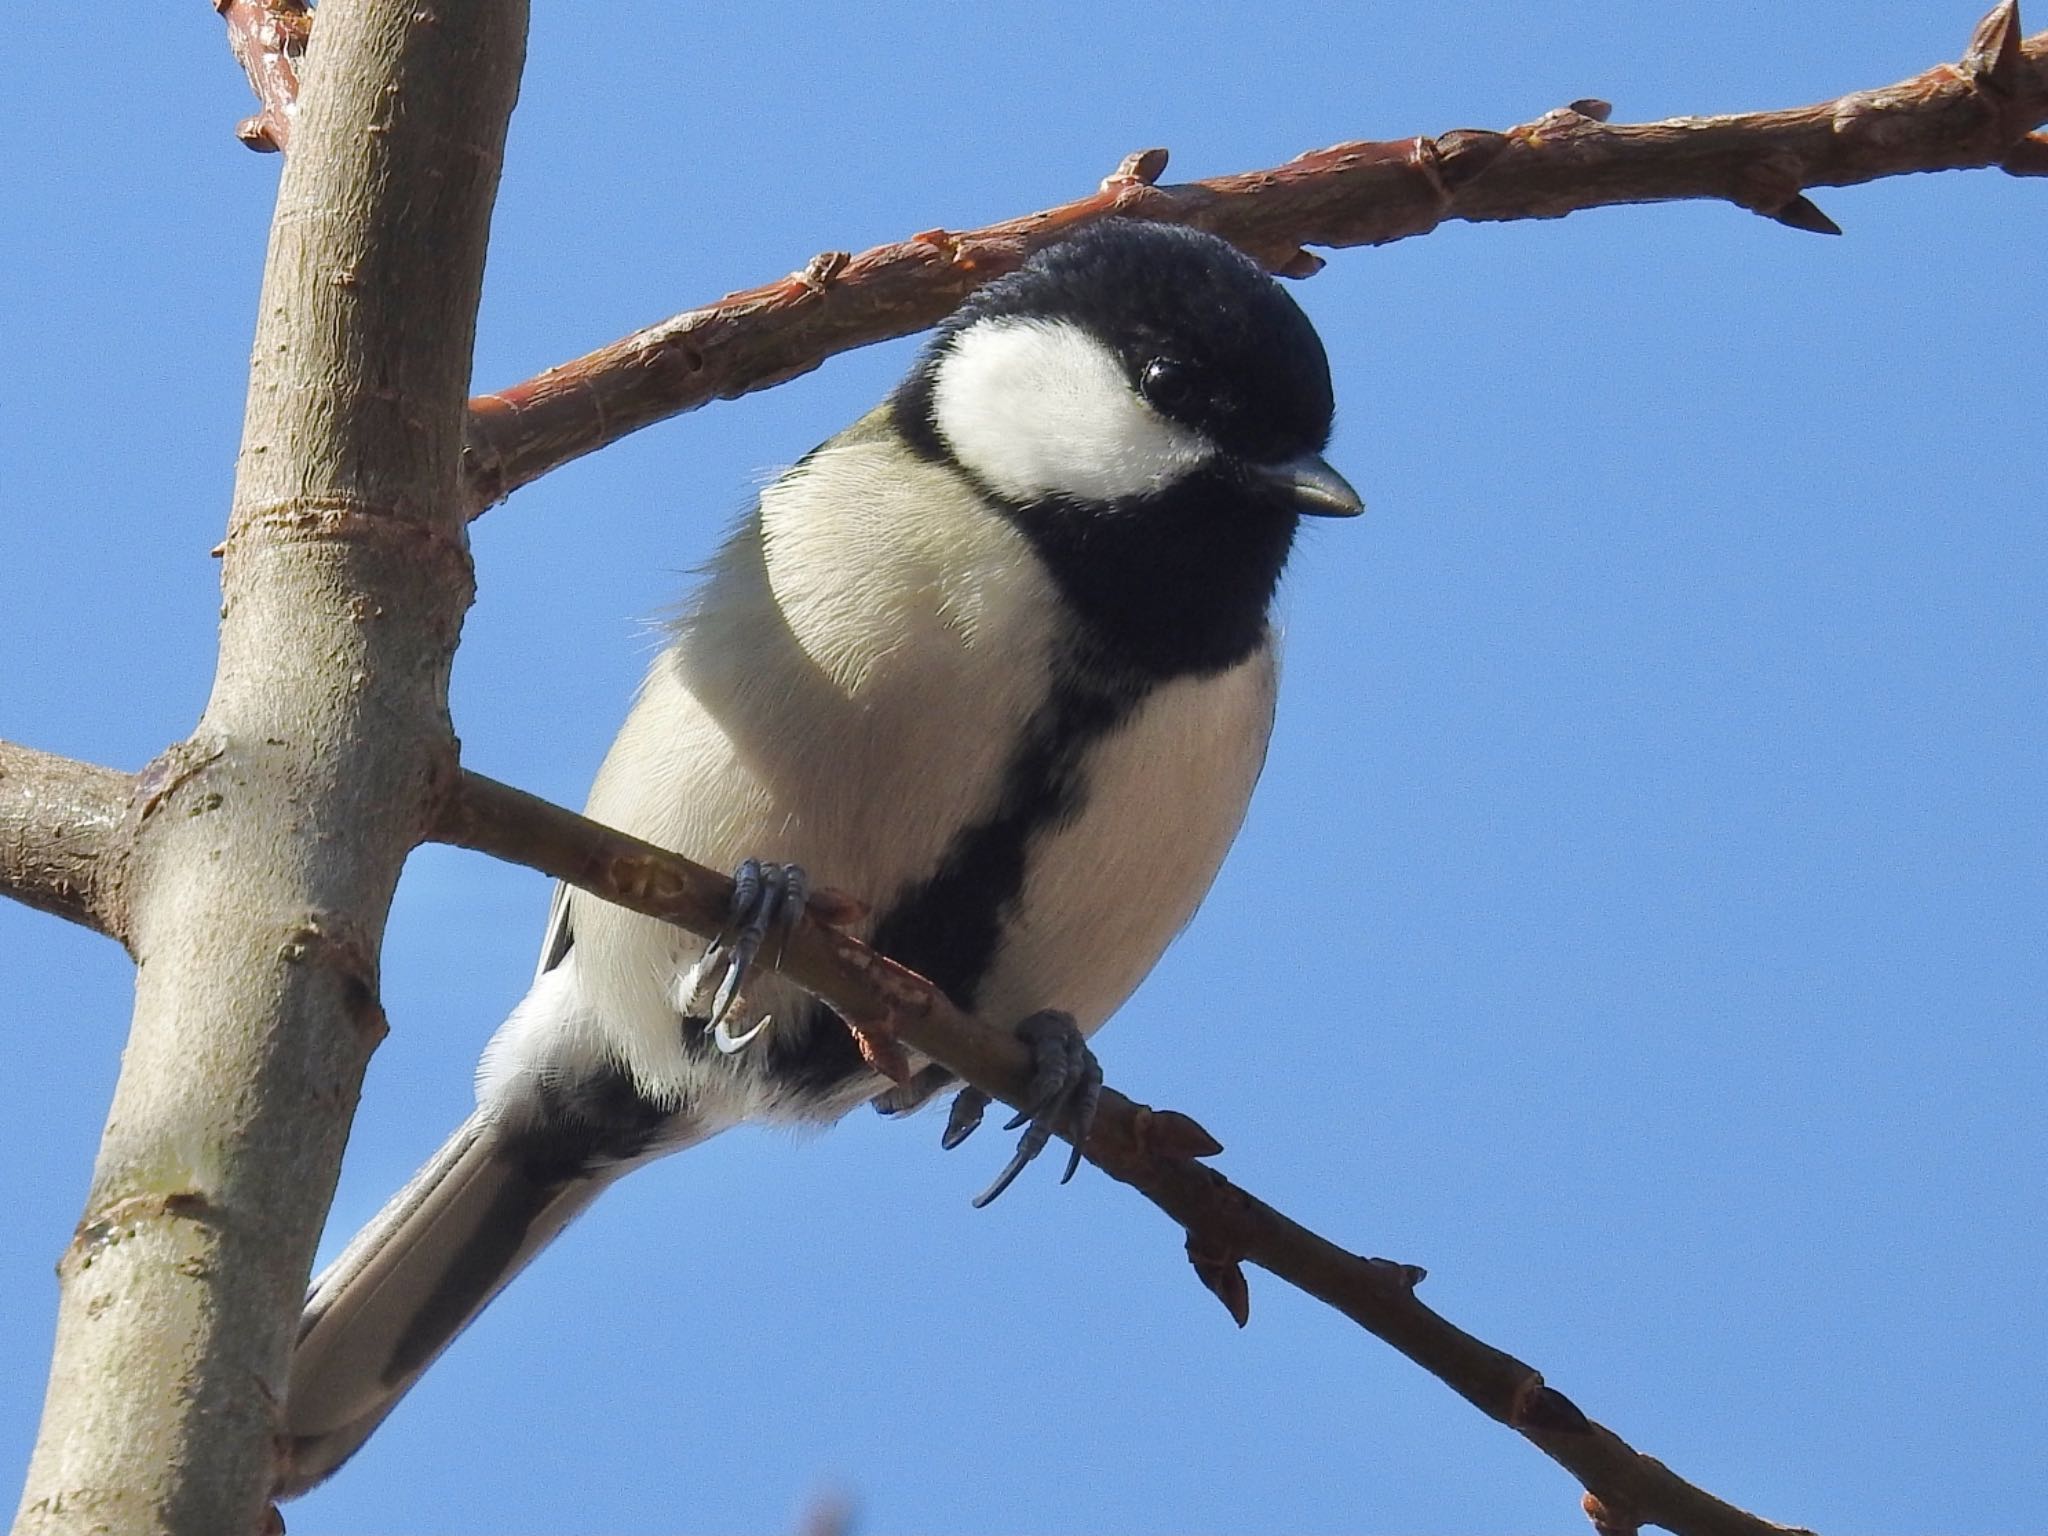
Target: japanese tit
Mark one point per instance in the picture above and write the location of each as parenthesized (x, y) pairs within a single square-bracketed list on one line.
[(997, 660)]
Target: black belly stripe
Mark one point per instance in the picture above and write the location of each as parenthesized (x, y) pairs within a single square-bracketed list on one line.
[(948, 926)]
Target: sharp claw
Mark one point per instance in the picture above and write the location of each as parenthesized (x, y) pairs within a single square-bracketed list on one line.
[(763, 896), (1082, 1115), (1017, 1164), (727, 994), (729, 1043), (1040, 1106), (963, 1117), (1066, 1087)]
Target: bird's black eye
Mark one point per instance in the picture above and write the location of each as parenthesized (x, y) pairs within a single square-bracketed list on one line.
[(1166, 384)]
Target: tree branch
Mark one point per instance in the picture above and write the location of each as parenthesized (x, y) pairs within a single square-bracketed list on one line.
[(1978, 112), (267, 847), (1153, 1151), (63, 837), (268, 38)]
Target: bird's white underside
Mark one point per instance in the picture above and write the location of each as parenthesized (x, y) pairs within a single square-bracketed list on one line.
[(900, 635), (868, 656)]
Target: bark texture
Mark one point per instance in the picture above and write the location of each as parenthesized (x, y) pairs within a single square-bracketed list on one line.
[(267, 845), (63, 837)]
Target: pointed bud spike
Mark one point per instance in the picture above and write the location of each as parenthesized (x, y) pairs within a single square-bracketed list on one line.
[(1994, 52), (1801, 213), (1463, 153), (1144, 166), (1407, 1276), (1227, 1284), (1169, 1133), (1223, 1275), (255, 134), (2011, 55)]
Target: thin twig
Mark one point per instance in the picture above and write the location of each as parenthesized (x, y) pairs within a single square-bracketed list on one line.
[(1153, 1151), (1977, 112), (64, 837)]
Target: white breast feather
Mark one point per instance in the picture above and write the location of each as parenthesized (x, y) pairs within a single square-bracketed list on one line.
[(842, 695), (1165, 797), (845, 694)]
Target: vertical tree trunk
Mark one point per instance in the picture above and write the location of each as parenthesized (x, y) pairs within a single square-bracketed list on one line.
[(270, 841)]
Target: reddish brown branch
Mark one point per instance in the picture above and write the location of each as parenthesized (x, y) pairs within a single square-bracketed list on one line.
[(1978, 112), (1153, 1151), (268, 36), (64, 837)]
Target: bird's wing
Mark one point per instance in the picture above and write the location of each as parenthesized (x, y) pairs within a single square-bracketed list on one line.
[(555, 941)]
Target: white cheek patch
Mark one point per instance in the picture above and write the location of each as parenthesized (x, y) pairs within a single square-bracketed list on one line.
[(1037, 408)]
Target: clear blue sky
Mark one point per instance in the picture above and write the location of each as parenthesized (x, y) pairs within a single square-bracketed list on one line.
[(1640, 924)]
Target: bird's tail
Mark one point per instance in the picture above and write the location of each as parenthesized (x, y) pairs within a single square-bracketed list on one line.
[(413, 1279)]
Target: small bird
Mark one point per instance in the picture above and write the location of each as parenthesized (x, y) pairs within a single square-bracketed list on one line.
[(997, 660)]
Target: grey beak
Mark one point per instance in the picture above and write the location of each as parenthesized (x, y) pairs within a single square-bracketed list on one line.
[(1316, 489)]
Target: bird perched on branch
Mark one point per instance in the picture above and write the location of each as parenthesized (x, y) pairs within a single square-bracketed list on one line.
[(997, 660)]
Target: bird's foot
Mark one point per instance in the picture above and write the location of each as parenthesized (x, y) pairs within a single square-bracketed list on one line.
[(1066, 1085), (766, 898)]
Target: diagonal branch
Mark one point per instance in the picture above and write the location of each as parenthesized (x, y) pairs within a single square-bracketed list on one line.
[(1975, 113), (1153, 1151), (1978, 112), (64, 837)]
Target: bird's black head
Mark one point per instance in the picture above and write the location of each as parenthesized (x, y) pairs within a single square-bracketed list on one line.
[(1150, 407)]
